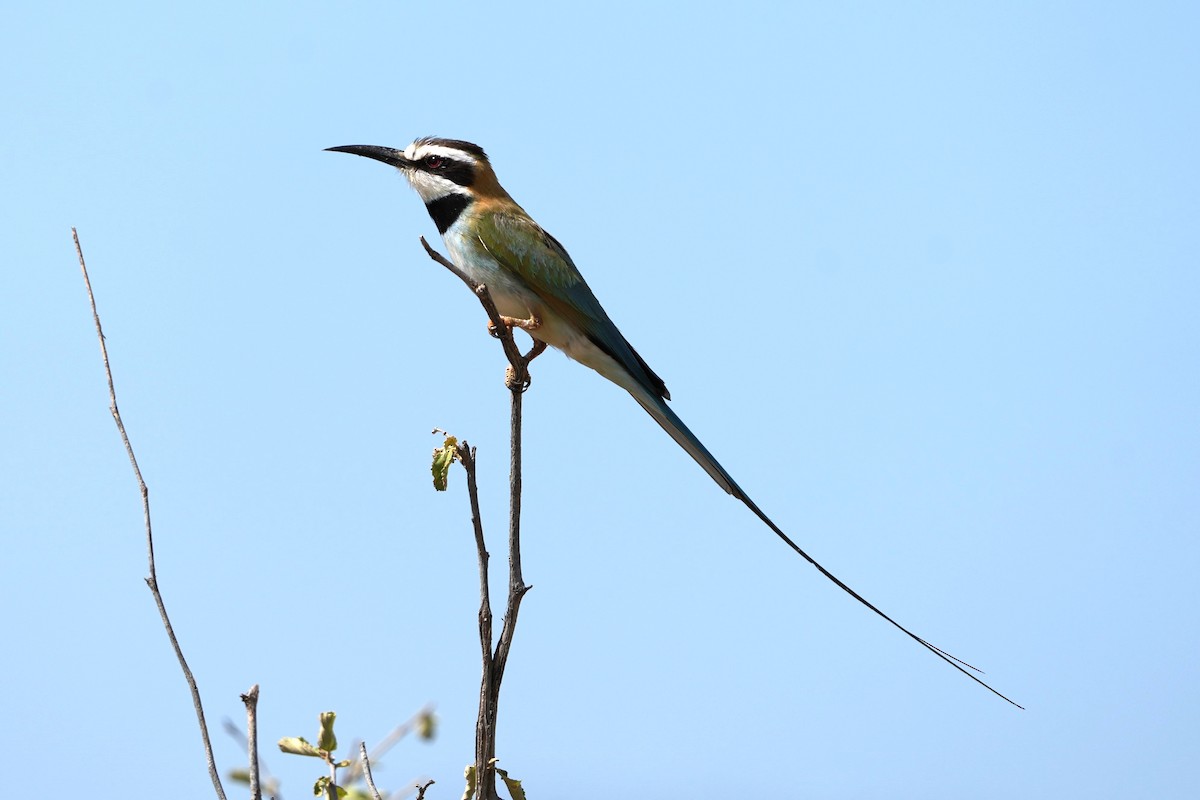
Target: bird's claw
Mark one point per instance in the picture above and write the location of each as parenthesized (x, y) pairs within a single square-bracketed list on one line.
[(511, 382)]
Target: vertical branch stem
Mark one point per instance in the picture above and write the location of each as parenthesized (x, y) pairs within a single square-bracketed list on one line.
[(152, 578), (486, 771), (366, 770), (250, 698), (516, 583)]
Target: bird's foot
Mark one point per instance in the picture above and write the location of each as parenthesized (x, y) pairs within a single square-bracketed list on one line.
[(538, 348), (511, 380), (527, 325)]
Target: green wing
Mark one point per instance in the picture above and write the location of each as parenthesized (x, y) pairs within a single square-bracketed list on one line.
[(520, 245)]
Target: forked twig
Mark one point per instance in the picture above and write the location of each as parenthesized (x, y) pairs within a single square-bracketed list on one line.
[(494, 661)]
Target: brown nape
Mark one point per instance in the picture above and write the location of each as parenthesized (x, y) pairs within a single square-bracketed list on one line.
[(486, 186)]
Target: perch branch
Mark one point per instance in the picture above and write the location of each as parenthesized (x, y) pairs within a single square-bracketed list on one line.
[(494, 661), (502, 331)]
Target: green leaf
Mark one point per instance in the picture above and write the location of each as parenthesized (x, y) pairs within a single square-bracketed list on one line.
[(321, 788), (514, 786), (239, 775), (343, 763), (326, 740), (298, 746), (470, 790), (427, 726), (443, 459)]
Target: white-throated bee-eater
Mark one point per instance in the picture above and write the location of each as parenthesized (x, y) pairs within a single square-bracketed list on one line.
[(531, 278)]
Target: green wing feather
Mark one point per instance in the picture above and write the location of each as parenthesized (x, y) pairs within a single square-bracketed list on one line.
[(521, 246), (533, 255)]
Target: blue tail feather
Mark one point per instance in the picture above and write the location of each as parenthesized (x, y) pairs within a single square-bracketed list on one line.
[(672, 424)]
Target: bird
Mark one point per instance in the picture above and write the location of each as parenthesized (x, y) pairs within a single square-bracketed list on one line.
[(537, 287)]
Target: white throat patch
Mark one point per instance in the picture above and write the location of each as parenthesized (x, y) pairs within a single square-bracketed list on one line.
[(432, 187)]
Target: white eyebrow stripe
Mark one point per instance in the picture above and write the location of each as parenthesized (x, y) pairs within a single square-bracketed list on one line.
[(414, 153)]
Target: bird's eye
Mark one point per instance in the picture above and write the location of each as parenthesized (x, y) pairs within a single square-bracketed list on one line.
[(435, 162)]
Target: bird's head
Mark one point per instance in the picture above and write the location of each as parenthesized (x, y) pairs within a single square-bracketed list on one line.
[(437, 168)]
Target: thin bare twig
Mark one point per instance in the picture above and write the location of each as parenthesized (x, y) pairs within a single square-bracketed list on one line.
[(152, 578), (355, 770), (266, 781), (421, 789), (485, 735), (366, 770), (400, 731), (250, 698), (494, 661)]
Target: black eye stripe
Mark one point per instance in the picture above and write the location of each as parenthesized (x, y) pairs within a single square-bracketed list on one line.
[(460, 172)]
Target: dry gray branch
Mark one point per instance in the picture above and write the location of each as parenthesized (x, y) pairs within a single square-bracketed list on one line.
[(250, 698), (366, 770), (152, 578)]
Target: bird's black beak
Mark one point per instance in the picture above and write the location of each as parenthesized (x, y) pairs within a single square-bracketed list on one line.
[(388, 155)]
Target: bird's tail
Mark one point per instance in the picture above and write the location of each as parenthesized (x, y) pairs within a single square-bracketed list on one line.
[(673, 425)]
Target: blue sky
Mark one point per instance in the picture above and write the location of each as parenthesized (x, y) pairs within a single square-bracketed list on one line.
[(924, 278)]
